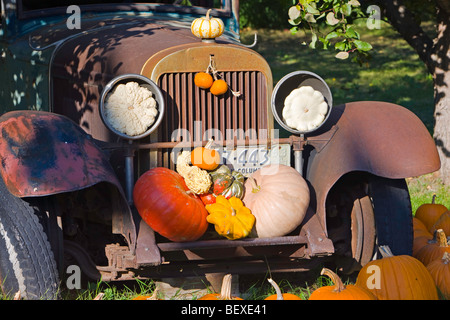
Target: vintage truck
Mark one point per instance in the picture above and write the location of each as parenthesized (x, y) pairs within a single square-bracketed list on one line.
[(67, 177)]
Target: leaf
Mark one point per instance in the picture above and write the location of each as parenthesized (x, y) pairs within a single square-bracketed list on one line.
[(340, 45), (346, 9), (351, 33), (331, 19), (295, 22), (310, 9), (342, 55), (332, 35), (312, 45), (293, 13), (310, 18), (354, 3), (362, 45)]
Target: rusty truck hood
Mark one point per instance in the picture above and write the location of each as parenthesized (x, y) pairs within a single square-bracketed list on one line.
[(84, 64)]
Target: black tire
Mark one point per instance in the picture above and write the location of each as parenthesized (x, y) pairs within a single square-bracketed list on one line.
[(393, 214), (369, 211), (27, 262)]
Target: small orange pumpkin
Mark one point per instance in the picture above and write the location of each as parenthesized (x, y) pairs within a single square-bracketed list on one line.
[(339, 291), (280, 296), (205, 157), (440, 271), (225, 292), (399, 278), (429, 213), (419, 228), (203, 80), (421, 236), (434, 249), (219, 87), (154, 296), (443, 222)]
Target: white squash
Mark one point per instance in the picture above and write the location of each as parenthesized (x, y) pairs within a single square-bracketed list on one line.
[(207, 27), (304, 109), (278, 197)]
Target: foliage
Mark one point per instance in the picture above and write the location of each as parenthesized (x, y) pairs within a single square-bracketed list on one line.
[(331, 23)]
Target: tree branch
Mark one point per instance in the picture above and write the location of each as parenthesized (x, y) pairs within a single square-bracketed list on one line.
[(403, 21)]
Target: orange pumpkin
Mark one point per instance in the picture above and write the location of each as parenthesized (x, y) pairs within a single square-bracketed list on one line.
[(154, 296), (429, 213), (203, 80), (434, 249), (280, 296), (225, 291), (397, 278), (440, 272), (419, 228), (420, 242), (339, 291), (205, 157), (166, 204), (443, 222), (219, 87), (421, 236)]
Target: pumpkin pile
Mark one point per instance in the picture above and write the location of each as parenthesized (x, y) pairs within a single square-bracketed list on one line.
[(431, 245), (181, 204)]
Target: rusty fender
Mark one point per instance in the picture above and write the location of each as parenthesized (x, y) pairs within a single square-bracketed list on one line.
[(43, 153), (381, 138)]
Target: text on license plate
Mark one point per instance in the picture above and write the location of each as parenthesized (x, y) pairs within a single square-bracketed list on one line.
[(250, 158)]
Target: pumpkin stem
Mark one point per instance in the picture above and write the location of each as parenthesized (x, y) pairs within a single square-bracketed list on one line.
[(209, 144), (277, 289), (225, 291), (255, 187), (339, 286), (386, 251), (433, 200), (441, 238), (207, 14)]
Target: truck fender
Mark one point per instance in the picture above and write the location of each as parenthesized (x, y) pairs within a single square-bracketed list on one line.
[(43, 153), (380, 138)]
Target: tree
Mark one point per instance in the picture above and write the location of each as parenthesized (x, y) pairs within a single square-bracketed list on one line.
[(335, 19)]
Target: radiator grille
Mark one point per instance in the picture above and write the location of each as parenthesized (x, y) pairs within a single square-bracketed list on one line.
[(194, 114)]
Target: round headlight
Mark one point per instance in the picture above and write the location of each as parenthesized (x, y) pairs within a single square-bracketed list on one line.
[(143, 82)]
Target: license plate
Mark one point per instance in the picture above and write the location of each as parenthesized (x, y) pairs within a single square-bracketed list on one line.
[(250, 158)]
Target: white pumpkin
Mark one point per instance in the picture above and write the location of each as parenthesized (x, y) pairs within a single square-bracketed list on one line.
[(207, 27), (304, 109), (278, 197)]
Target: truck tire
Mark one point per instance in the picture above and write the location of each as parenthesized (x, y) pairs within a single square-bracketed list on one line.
[(393, 214), (27, 264), (369, 211)]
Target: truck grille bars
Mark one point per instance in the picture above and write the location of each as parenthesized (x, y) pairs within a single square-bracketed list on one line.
[(194, 114)]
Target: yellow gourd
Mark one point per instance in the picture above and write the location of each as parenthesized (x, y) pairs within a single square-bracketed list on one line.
[(231, 218)]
